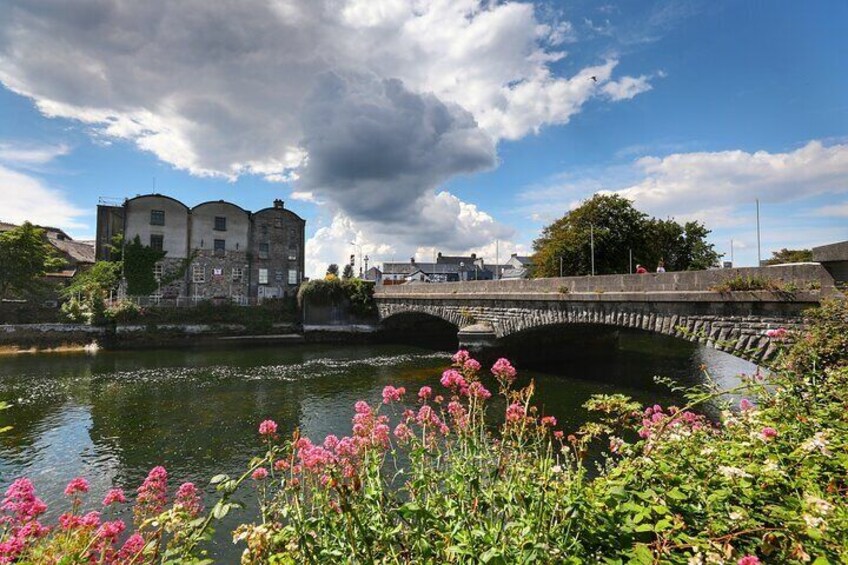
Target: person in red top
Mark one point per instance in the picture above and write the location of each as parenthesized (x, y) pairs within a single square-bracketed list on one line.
[(640, 270)]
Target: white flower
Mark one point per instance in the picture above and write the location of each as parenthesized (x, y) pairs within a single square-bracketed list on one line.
[(733, 472), (697, 559), (736, 516), (771, 466), (556, 469), (818, 505), (816, 443), (814, 522)]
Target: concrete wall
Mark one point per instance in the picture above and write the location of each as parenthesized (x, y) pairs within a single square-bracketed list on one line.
[(203, 233), (805, 277), (174, 232)]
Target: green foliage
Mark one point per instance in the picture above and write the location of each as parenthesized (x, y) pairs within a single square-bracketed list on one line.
[(258, 317), (619, 228), (790, 256), (825, 343), (348, 272), (359, 294), (139, 260), (333, 270), (85, 295), (25, 256)]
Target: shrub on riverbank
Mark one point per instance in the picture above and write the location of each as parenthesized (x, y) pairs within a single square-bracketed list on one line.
[(260, 316), (357, 292), (424, 478)]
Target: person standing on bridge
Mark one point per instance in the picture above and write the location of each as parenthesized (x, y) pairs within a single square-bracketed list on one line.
[(640, 270), (661, 267)]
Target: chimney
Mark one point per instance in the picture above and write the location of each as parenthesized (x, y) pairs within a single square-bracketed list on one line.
[(440, 254), (278, 204), (514, 255), (473, 255), (412, 260)]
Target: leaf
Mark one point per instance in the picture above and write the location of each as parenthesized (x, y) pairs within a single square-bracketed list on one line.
[(218, 478)]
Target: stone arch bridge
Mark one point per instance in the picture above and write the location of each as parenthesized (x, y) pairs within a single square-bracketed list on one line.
[(692, 305)]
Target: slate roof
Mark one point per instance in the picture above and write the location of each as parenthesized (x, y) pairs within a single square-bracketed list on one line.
[(409, 268), (77, 251)]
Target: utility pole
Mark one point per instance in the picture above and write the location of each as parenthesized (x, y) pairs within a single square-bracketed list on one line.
[(759, 256), (631, 260), (560, 266), (731, 253), (592, 245), (497, 260)]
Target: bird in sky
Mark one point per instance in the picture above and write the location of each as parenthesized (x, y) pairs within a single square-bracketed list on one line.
[(594, 78)]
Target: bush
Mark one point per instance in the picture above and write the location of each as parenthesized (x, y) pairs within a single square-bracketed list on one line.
[(331, 290)]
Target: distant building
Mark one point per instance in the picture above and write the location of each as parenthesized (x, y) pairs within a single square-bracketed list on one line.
[(216, 250), (518, 267), (834, 258), (446, 269), (78, 255), (373, 274)]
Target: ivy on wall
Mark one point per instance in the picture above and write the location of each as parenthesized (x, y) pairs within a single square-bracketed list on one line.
[(139, 260)]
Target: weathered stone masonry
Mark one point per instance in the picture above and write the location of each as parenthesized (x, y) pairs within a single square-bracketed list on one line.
[(674, 305)]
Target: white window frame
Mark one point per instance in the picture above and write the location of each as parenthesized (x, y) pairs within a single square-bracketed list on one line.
[(263, 276), (198, 274), (292, 276), (158, 271), (237, 274)]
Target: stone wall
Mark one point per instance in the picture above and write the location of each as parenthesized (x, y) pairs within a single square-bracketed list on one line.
[(736, 327), (804, 277)]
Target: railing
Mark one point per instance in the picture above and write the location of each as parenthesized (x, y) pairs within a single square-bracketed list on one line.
[(186, 301)]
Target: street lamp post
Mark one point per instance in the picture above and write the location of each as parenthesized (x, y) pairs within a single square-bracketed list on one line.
[(592, 245)]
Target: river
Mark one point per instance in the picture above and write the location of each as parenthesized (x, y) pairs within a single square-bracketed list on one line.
[(113, 415)]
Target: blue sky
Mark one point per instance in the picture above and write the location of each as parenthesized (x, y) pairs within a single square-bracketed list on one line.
[(416, 127)]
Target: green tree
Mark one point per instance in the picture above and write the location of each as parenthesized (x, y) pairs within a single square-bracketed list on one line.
[(619, 229), (347, 274), (332, 271), (89, 289), (139, 260), (790, 256), (25, 257)]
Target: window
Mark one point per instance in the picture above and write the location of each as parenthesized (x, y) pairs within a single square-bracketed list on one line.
[(263, 276), (220, 246), (292, 276), (157, 242), (220, 223), (198, 274), (157, 217), (264, 229), (292, 253), (264, 250), (292, 234), (157, 271), (238, 274)]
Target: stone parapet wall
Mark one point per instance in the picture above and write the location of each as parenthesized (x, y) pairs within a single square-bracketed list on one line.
[(803, 277)]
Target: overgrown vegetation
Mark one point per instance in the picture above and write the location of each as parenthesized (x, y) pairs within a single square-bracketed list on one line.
[(424, 478), (790, 256), (25, 257), (748, 282), (139, 261), (332, 290), (619, 229), (84, 297)]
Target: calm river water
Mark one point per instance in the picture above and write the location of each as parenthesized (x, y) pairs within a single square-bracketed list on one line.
[(114, 415)]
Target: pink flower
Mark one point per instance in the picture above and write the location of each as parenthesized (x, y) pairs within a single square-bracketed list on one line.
[(558, 434), (745, 404), (402, 432), (471, 366), (91, 520), (504, 371), (477, 390), (152, 494), (392, 394), (21, 502), (281, 465), (453, 379), (460, 357), (515, 412), (777, 334), (749, 560), (131, 549), (768, 433), (76, 485), (260, 474), (268, 428), (188, 499), (111, 530), (425, 393), (549, 421), (114, 495)]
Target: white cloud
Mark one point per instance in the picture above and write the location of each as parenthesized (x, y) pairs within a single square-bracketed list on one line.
[(626, 88), (839, 210), (686, 182), (29, 154), (228, 89), (26, 198)]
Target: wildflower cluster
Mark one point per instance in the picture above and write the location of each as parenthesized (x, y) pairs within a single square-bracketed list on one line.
[(90, 537)]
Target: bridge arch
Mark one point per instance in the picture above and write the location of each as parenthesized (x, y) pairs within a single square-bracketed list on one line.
[(725, 327)]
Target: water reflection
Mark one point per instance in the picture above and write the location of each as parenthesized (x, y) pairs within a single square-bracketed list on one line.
[(113, 416)]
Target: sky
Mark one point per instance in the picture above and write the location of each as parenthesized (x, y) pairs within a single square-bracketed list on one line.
[(408, 127)]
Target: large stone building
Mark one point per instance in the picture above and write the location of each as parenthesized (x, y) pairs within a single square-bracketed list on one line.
[(216, 250)]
